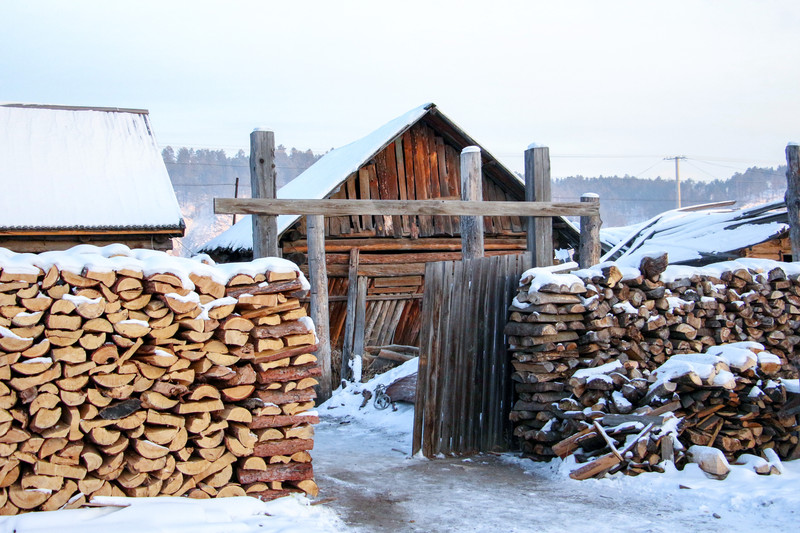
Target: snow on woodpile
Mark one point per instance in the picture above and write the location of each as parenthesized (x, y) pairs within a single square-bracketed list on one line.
[(82, 167), (697, 237), (132, 372), (609, 366)]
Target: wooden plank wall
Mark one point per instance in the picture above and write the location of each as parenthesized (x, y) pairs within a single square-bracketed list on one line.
[(418, 165), (463, 384)]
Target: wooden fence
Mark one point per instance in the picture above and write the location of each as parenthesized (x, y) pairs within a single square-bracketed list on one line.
[(463, 384)]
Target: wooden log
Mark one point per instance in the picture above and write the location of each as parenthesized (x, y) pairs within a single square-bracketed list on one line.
[(471, 190), (262, 180), (589, 249), (537, 189), (288, 472), (792, 197)]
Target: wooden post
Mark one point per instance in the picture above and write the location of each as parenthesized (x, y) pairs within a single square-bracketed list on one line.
[(537, 189), (589, 249), (350, 317), (318, 275), (359, 330), (262, 180), (471, 189), (793, 197), (235, 195)]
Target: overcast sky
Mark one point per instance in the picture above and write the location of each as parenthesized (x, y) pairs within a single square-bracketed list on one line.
[(627, 82)]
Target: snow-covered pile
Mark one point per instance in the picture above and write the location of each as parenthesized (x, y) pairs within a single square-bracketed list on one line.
[(118, 257)]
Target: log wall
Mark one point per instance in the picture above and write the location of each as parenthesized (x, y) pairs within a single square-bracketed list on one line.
[(623, 324), (122, 375)]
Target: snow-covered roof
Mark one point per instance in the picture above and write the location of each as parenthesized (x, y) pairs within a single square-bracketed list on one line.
[(321, 178), (88, 168), (698, 236), (330, 171)]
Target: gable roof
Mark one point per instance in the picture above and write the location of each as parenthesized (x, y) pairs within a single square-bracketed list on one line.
[(330, 171), (77, 167), (696, 237)]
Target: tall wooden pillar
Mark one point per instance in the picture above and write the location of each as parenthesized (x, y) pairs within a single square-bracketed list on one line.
[(262, 181), (793, 197), (589, 248), (318, 277), (537, 189), (471, 189)]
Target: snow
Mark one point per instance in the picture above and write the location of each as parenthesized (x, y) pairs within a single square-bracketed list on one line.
[(363, 459), (116, 257), (542, 277), (89, 168), (321, 178), (601, 370), (11, 335), (180, 515), (471, 150), (79, 300), (690, 235)]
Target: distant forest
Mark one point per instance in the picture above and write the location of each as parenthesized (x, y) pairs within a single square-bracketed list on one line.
[(628, 200), (199, 175)]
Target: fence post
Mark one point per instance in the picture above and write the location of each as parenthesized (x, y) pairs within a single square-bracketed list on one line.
[(350, 316), (793, 196), (471, 189), (262, 181), (318, 274), (589, 249), (537, 189)]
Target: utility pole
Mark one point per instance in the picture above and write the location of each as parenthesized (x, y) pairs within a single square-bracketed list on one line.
[(677, 159)]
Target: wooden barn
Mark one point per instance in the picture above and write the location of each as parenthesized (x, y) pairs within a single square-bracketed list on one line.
[(700, 235), (415, 156), (74, 175)]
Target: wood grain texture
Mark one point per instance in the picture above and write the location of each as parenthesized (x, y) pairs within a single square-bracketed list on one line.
[(262, 182), (334, 207), (537, 189)]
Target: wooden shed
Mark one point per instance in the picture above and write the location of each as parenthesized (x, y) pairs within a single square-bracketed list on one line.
[(415, 156), (74, 175)]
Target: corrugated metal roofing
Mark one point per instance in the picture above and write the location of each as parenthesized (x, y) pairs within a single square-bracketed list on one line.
[(82, 168)]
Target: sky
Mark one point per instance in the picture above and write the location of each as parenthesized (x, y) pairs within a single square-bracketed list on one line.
[(612, 87)]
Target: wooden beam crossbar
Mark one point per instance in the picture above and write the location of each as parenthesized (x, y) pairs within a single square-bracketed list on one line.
[(331, 207)]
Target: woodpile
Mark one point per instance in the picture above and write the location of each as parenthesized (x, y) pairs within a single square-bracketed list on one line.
[(588, 349), (132, 373)]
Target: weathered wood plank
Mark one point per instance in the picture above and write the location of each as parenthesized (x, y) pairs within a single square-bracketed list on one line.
[(334, 207), (472, 227), (422, 178), (392, 191), (319, 301), (793, 197), (262, 182), (349, 328), (537, 189)]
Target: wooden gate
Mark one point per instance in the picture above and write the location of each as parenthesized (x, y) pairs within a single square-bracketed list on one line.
[(463, 384)]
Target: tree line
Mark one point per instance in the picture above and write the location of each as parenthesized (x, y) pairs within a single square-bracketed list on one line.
[(628, 200)]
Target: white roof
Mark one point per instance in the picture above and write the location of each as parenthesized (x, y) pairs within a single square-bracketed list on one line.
[(697, 236), (321, 179), (64, 167)]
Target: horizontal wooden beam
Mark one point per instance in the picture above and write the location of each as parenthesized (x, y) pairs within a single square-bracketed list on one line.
[(331, 207)]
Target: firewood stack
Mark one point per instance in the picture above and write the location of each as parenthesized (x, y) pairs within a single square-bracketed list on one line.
[(544, 326), (132, 373), (601, 359), (725, 398)]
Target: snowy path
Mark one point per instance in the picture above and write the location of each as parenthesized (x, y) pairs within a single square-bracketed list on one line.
[(365, 473), (378, 488)]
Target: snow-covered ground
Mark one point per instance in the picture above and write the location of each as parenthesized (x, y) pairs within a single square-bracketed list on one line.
[(363, 464), (369, 482)]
